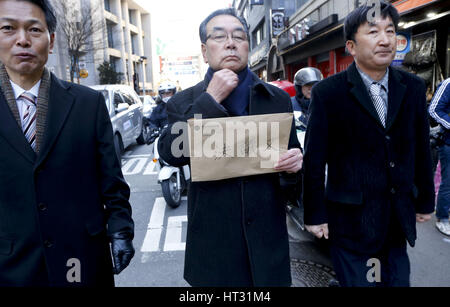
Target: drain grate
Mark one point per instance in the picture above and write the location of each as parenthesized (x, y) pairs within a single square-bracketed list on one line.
[(310, 274)]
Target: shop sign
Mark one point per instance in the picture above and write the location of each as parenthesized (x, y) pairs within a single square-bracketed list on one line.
[(278, 24), (403, 47)]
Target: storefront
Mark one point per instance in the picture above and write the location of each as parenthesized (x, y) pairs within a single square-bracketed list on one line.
[(424, 36), (425, 25)]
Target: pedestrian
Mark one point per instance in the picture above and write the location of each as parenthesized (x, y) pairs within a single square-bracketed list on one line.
[(440, 111), (304, 80), (237, 234), (63, 198), (369, 125)]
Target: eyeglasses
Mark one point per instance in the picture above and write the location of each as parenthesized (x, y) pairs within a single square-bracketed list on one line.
[(221, 36)]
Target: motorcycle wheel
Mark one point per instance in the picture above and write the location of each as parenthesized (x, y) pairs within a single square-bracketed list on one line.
[(171, 192)]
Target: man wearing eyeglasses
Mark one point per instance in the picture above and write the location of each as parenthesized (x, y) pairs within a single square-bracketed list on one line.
[(236, 234)]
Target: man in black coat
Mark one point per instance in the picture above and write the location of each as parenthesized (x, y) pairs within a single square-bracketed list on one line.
[(63, 198), (237, 233), (369, 125)]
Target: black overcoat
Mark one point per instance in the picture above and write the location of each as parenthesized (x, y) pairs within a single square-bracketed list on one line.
[(61, 203), (375, 175), (237, 233)]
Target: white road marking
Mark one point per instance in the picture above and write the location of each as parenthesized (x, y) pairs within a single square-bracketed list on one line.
[(140, 164), (150, 170), (154, 230), (174, 234), (173, 240), (137, 156)]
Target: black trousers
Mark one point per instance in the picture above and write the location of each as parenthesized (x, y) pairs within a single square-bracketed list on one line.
[(390, 267)]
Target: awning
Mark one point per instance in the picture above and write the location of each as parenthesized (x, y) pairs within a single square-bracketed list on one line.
[(404, 6)]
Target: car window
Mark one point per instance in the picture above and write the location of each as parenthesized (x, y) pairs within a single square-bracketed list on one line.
[(127, 98), (117, 99)]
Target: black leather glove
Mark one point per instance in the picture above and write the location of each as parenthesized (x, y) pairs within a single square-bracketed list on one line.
[(122, 250)]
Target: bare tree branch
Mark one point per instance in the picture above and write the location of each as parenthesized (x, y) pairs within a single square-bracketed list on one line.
[(82, 31)]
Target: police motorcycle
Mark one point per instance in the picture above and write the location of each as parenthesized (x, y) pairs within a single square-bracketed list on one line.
[(174, 181)]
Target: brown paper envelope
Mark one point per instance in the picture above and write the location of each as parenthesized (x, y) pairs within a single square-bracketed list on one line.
[(230, 147)]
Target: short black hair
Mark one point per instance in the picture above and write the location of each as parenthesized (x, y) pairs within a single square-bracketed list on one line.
[(50, 17), (358, 17), (229, 11)]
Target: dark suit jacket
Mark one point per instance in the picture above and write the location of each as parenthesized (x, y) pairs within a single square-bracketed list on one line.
[(237, 233), (375, 175), (61, 203)]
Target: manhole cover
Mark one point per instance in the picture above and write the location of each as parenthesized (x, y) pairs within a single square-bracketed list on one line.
[(310, 274)]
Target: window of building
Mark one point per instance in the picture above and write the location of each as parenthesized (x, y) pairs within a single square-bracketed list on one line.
[(130, 16), (259, 34), (107, 5), (134, 44), (110, 30)]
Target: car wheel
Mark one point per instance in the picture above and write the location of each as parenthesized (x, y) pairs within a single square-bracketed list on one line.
[(118, 147), (145, 133)]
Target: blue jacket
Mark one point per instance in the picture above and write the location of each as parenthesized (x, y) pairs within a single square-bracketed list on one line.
[(440, 107)]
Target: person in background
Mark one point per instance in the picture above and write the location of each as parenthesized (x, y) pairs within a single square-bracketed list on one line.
[(304, 80), (440, 111), (158, 119)]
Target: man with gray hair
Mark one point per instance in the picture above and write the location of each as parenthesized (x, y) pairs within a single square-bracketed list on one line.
[(237, 235)]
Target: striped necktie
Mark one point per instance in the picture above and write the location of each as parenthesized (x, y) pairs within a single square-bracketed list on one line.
[(378, 101), (29, 119)]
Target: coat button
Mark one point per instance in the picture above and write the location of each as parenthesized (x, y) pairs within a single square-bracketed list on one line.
[(392, 164), (249, 222), (388, 137), (48, 243), (42, 207), (393, 191)]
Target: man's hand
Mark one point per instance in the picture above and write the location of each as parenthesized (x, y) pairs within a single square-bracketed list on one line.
[(422, 218), (222, 84), (318, 231), (291, 161), (122, 251)]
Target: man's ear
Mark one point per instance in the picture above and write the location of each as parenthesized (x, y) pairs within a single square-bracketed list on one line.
[(204, 53), (52, 42), (350, 46)]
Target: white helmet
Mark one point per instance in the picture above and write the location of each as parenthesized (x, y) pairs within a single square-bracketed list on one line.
[(166, 87)]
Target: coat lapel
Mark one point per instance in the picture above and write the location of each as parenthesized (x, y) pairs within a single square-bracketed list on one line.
[(12, 133), (359, 91), (59, 105), (397, 90)]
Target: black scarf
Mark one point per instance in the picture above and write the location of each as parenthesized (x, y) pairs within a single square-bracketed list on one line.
[(238, 101)]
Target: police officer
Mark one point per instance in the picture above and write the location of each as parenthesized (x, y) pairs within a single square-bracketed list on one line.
[(304, 80)]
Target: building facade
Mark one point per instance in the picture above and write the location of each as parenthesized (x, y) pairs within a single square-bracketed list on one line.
[(124, 41), (266, 19), (315, 38)]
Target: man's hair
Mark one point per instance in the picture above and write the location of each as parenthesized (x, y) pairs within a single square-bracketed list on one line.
[(50, 17), (359, 17), (229, 11)]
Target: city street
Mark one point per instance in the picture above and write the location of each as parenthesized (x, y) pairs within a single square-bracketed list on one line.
[(160, 233)]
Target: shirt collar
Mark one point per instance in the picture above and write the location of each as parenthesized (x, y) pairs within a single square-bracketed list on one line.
[(368, 80), (19, 91)]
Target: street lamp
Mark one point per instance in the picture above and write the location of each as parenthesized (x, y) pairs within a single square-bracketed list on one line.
[(141, 60)]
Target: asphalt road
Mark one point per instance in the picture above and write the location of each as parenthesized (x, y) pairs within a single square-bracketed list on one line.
[(160, 234)]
